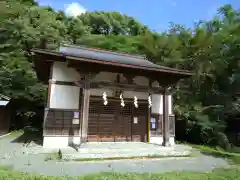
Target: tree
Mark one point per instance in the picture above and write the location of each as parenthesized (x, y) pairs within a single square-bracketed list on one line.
[(76, 29), (210, 49), (112, 23)]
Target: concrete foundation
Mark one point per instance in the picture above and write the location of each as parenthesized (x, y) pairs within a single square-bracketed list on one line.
[(159, 140), (57, 142), (125, 150)]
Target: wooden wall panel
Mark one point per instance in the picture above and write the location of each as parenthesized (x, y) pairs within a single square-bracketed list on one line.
[(139, 129), (59, 122), (115, 123), (106, 123)]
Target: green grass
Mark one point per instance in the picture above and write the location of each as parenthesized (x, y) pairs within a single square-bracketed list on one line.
[(53, 156), (218, 152), (16, 132), (220, 174)]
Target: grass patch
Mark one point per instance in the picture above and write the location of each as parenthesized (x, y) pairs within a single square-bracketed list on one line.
[(223, 174), (126, 158), (5, 168), (16, 133), (53, 156), (218, 152)]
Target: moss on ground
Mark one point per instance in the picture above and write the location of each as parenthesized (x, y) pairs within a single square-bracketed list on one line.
[(218, 152), (223, 174)]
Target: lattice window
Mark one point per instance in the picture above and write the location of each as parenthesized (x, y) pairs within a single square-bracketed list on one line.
[(59, 122), (158, 130), (172, 125)]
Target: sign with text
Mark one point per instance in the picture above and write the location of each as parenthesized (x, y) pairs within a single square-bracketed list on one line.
[(135, 120), (153, 123), (75, 121), (76, 115)]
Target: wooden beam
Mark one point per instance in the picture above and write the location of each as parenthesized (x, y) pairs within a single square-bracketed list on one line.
[(65, 83), (120, 86), (49, 87), (130, 78), (126, 87), (86, 67)]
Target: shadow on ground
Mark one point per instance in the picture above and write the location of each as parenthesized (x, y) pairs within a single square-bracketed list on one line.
[(29, 135)]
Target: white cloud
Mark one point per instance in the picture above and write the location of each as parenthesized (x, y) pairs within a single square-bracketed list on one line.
[(74, 9)]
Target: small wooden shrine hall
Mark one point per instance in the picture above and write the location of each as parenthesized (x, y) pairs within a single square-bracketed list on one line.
[(104, 96)]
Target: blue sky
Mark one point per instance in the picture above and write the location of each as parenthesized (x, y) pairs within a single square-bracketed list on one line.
[(156, 14)]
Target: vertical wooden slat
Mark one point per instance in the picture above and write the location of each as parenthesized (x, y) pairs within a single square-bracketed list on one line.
[(172, 125), (132, 116), (80, 114), (115, 123), (98, 121), (148, 124)]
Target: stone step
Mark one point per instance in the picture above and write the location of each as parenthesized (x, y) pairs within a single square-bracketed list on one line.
[(105, 150), (113, 154), (83, 156)]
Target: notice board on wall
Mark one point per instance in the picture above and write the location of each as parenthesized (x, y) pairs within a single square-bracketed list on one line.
[(153, 123)]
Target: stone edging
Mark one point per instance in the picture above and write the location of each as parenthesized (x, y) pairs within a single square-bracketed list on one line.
[(121, 160)]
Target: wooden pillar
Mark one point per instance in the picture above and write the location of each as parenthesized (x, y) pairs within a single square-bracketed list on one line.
[(166, 133), (50, 82), (85, 112), (84, 83), (148, 124)]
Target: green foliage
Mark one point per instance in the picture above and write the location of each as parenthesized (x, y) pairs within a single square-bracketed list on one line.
[(211, 49), (112, 23), (59, 156), (112, 42)]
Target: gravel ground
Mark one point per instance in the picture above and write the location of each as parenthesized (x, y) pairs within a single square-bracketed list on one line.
[(14, 155)]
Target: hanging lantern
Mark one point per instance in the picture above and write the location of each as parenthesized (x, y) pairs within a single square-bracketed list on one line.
[(149, 101), (135, 102), (122, 101), (105, 102)]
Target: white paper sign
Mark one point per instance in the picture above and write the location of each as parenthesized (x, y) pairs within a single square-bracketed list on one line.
[(153, 120), (135, 120), (75, 121), (76, 115), (153, 125)]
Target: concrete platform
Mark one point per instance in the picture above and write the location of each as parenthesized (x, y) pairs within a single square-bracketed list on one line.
[(125, 149), (114, 150)]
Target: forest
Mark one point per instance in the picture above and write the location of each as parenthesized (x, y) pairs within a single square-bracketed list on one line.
[(207, 104)]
